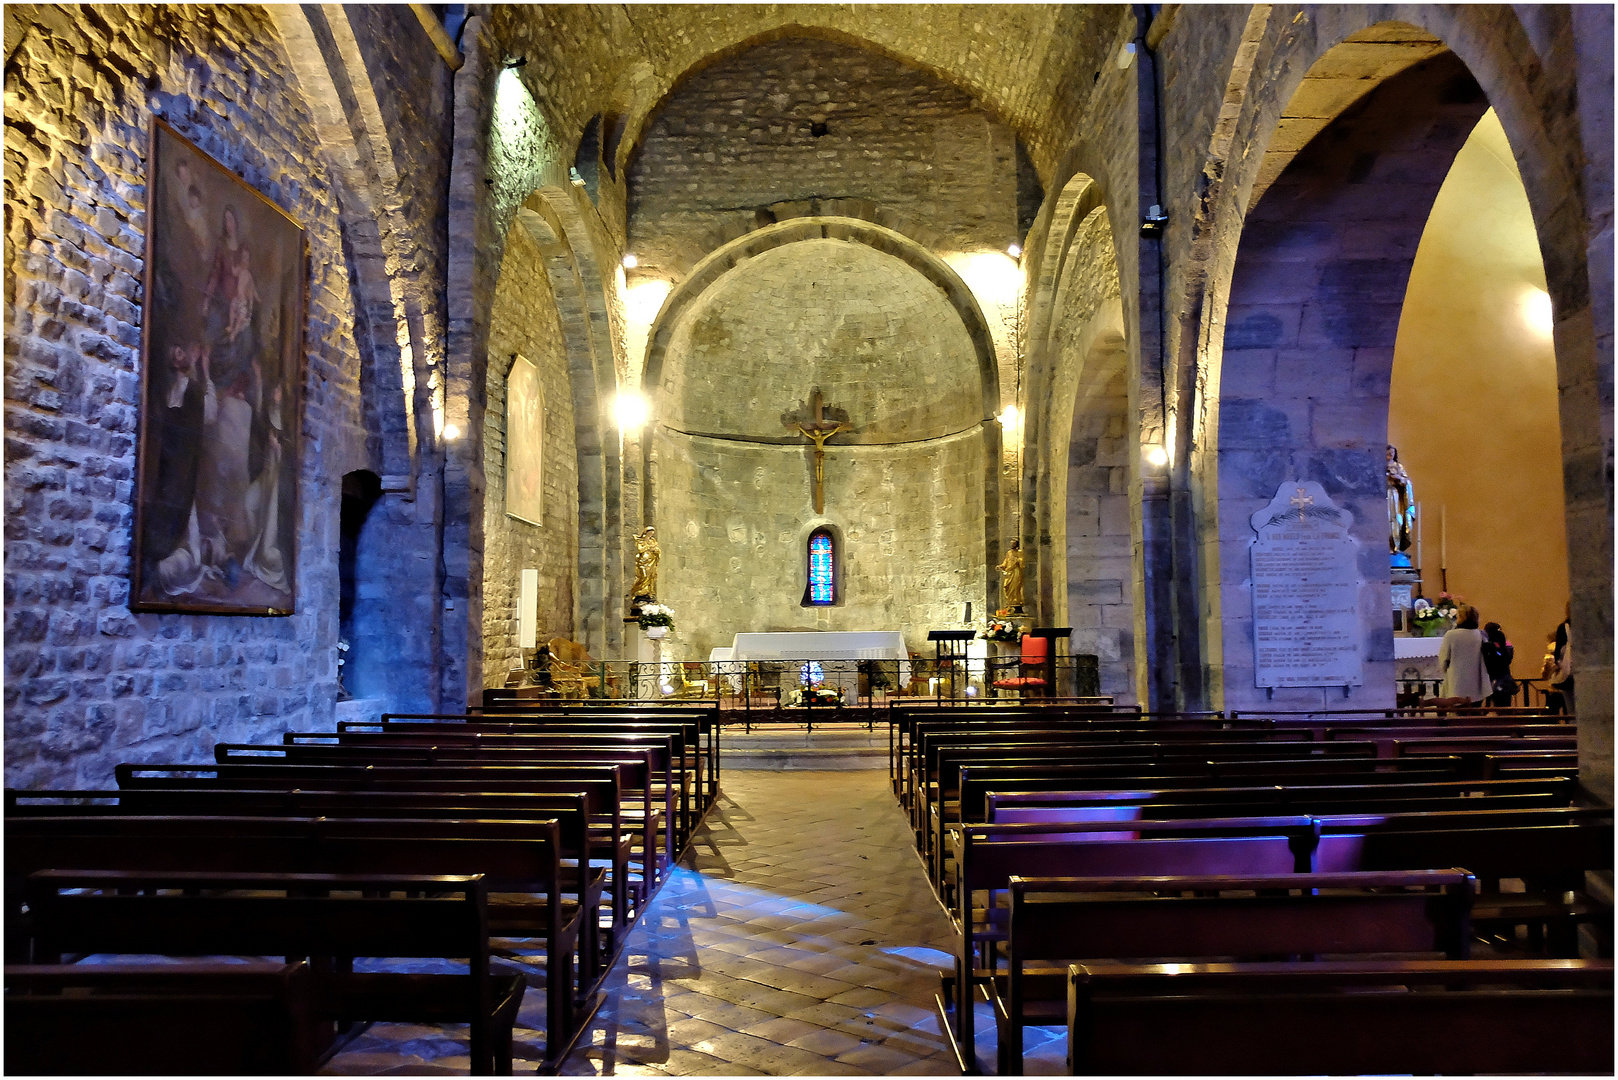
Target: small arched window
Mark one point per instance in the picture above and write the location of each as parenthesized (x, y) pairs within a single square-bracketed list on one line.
[(822, 568)]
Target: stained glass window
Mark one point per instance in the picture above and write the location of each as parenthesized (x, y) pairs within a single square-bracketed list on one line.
[(822, 568)]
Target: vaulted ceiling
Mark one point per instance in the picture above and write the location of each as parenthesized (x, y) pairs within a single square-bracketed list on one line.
[(1031, 66)]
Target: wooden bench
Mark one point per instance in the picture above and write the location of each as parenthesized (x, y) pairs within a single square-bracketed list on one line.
[(1342, 1017), (989, 856), (194, 1018), (327, 917), (1056, 921), (521, 858)]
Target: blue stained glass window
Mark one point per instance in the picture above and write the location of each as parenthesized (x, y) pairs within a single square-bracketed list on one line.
[(822, 569)]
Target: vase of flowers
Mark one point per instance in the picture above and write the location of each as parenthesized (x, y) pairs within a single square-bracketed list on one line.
[(1000, 630), (656, 619), (1435, 618)]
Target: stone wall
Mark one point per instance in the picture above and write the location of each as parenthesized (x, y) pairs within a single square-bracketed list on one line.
[(802, 119), (734, 519), (525, 322), (89, 684)]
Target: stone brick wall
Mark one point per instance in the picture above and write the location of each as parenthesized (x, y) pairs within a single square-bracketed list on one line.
[(89, 684), (733, 520), (741, 135), (882, 344), (525, 322)]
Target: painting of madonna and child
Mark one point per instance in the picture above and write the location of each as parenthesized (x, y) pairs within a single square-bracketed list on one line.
[(222, 350)]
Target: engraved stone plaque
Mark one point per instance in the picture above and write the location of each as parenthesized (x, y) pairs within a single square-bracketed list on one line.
[(1306, 584)]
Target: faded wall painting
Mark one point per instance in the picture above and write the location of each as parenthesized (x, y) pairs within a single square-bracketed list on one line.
[(525, 440), (222, 364)]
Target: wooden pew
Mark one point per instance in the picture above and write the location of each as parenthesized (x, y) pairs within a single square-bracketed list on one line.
[(669, 778), (596, 799), (314, 915), (1342, 1017), (509, 857), (635, 782), (189, 1019), (1057, 921), (989, 856)]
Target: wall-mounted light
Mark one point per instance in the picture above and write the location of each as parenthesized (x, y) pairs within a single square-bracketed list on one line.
[(514, 60), (451, 432), (1010, 418), (1014, 250), (1156, 456), (630, 411), (630, 261)]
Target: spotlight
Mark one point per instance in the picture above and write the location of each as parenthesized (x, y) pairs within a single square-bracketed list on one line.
[(1156, 456), (513, 60), (1010, 417), (1014, 250), (630, 262), (451, 432)]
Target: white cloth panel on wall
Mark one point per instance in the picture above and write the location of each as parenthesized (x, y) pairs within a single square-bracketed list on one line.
[(528, 609)]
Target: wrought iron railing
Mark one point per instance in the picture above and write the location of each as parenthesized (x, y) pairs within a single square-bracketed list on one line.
[(794, 684)]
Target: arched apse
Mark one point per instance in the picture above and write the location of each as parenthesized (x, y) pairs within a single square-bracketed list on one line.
[(898, 348), (1315, 300), (1077, 464)]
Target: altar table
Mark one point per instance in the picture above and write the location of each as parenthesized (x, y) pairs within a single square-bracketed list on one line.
[(827, 645)]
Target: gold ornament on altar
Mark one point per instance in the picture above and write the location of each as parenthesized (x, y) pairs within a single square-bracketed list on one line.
[(647, 555)]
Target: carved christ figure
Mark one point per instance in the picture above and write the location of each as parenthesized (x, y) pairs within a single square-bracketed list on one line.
[(819, 431)]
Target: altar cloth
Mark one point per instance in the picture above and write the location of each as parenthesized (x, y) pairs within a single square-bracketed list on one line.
[(826, 645)]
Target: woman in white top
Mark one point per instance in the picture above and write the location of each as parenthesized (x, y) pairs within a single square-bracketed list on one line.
[(1460, 657)]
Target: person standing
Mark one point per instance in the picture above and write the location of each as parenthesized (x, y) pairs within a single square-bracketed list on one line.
[(1460, 657), (1562, 675), (1497, 656)]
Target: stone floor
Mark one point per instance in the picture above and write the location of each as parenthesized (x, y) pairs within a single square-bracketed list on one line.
[(798, 937)]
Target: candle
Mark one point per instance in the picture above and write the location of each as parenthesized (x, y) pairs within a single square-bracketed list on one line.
[(1443, 537)]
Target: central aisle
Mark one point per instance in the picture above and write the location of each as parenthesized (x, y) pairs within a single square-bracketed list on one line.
[(798, 937)]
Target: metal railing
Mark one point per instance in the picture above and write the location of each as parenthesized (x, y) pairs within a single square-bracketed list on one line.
[(816, 683)]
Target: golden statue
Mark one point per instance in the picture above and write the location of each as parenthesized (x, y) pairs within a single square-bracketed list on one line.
[(1011, 568), (647, 554)]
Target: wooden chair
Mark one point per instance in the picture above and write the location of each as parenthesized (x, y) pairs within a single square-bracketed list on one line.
[(1035, 652), (574, 672)]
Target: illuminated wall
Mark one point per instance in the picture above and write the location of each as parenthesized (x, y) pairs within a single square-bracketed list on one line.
[(1473, 405)]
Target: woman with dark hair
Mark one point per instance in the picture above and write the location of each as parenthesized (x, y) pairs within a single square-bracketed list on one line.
[(1497, 656), (1460, 657)]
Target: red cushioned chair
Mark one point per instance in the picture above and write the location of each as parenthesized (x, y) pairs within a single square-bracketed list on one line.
[(1034, 652)]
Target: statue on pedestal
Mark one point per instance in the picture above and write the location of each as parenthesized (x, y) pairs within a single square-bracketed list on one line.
[(1401, 511), (1011, 571), (647, 554)]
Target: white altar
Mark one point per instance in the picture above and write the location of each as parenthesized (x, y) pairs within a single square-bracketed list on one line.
[(826, 645)]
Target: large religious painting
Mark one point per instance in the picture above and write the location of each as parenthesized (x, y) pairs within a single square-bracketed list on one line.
[(221, 358), (525, 440)]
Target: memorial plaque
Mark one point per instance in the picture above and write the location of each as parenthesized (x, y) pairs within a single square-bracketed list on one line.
[(1306, 586)]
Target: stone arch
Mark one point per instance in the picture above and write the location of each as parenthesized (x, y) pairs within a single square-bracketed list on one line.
[(1305, 349), (554, 223), (1076, 514)]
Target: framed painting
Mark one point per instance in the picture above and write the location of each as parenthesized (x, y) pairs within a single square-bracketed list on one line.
[(525, 443), (216, 503)]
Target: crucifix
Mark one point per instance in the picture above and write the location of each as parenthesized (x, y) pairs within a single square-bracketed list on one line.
[(819, 431)]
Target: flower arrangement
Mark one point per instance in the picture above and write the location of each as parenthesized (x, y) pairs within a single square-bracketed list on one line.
[(655, 615), (816, 695), (1431, 618), (1001, 630)]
